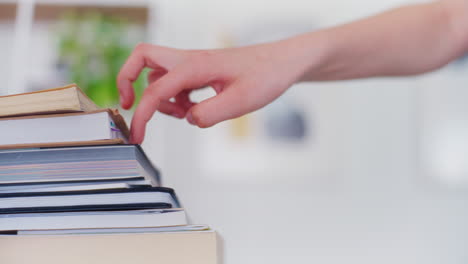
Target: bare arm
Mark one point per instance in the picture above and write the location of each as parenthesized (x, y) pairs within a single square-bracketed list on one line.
[(404, 41)]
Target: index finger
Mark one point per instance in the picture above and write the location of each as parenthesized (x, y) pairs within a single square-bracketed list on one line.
[(170, 85), (144, 55)]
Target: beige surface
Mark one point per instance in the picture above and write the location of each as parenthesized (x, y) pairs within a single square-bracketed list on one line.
[(167, 248)]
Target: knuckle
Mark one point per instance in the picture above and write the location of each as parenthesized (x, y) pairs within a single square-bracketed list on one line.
[(204, 125), (121, 78), (200, 120), (142, 47), (156, 93)]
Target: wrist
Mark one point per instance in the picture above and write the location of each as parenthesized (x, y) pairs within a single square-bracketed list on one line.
[(306, 55)]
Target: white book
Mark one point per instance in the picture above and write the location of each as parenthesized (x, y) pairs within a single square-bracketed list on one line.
[(103, 219), (20, 202), (73, 187), (162, 229), (57, 130)]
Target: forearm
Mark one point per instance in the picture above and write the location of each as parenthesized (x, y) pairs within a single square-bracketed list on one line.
[(405, 41)]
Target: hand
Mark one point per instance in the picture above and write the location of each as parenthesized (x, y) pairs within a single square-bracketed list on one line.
[(245, 79)]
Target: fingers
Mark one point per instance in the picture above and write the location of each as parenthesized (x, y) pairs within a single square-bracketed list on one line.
[(177, 109), (155, 75), (161, 91), (183, 99), (172, 109), (166, 107), (144, 55), (228, 104)]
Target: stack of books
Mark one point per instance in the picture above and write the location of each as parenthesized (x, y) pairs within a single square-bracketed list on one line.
[(73, 191)]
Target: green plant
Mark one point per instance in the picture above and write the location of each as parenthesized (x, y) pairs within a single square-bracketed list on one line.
[(93, 47)]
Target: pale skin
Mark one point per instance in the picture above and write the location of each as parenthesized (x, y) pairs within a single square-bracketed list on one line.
[(405, 41)]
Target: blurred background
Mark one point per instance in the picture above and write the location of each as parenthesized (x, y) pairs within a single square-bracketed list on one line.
[(367, 171)]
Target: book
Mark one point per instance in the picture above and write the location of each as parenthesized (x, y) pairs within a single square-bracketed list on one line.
[(124, 248), (181, 228), (72, 190), (93, 219), (70, 201), (73, 187), (91, 128), (76, 164), (59, 100)]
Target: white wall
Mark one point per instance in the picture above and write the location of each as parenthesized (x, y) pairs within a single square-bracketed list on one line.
[(6, 37), (377, 209)]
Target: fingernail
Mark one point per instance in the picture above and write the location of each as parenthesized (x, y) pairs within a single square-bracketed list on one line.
[(190, 118)]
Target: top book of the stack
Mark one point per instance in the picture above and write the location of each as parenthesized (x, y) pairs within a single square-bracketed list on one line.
[(58, 117), (67, 99)]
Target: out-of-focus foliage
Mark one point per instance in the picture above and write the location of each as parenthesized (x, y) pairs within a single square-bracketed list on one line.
[(93, 47)]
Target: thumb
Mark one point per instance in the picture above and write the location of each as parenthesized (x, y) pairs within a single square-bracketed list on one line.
[(231, 103)]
